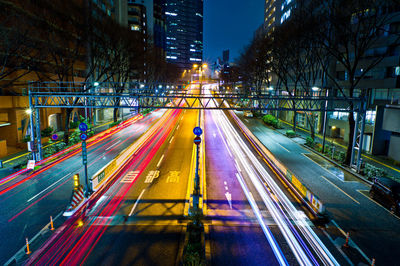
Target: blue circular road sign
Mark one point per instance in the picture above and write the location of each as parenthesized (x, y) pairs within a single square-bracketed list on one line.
[(83, 136), (197, 131), (54, 137), (83, 127)]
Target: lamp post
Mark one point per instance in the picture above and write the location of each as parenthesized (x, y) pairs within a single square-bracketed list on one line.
[(201, 68)]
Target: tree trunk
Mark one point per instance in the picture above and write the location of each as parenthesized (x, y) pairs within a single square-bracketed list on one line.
[(294, 117), (66, 128), (311, 122), (351, 134), (116, 114)]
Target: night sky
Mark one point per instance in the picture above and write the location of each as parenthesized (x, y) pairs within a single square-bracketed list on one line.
[(230, 24)]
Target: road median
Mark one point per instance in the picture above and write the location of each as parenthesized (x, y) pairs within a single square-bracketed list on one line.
[(311, 201)]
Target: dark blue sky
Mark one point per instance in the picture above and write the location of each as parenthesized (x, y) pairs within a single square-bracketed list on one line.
[(230, 24)]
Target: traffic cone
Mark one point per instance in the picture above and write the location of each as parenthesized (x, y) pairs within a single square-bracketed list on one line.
[(373, 262), (346, 244), (27, 247), (51, 223)]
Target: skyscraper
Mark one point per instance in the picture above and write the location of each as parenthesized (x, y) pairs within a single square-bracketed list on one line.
[(184, 44), (272, 14)]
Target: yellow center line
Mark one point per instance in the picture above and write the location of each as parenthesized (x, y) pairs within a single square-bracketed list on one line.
[(340, 189)]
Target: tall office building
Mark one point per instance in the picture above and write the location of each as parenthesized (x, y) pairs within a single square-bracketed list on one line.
[(276, 12), (272, 14), (184, 44)]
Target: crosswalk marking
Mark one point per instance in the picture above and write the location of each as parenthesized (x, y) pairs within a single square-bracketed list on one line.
[(130, 177)]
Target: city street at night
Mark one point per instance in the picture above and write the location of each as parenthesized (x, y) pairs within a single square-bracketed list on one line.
[(200, 132)]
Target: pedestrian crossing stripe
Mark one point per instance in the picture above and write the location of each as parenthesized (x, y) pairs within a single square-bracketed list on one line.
[(130, 177)]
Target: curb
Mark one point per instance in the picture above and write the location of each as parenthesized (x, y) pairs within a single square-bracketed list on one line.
[(362, 178)]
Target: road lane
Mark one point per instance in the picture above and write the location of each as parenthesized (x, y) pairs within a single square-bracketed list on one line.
[(164, 198), (154, 206), (23, 215), (371, 226), (234, 226)]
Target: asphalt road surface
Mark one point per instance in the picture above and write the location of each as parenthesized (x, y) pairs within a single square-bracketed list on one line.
[(372, 228), (28, 200)]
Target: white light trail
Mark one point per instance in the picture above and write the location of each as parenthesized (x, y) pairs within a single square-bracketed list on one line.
[(283, 212)]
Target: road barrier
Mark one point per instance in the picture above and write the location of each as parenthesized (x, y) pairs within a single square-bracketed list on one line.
[(76, 201), (312, 201)]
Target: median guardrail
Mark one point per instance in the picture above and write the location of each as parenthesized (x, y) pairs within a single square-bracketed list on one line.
[(308, 197)]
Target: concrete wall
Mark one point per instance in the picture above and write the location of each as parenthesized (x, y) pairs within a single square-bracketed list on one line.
[(394, 148), (13, 108), (380, 138), (391, 120), (3, 148)]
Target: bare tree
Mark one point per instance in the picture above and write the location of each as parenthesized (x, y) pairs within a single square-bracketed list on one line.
[(254, 61), (349, 32), (18, 53)]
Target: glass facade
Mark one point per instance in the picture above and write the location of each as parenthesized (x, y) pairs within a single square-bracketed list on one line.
[(184, 37)]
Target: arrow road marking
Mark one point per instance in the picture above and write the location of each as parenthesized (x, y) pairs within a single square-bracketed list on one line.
[(229, 198)]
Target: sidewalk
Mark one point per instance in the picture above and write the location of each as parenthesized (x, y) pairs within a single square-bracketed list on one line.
[(376, 161), (11, 162)]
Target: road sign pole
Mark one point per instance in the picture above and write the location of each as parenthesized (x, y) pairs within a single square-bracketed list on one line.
[(83, 127), (196, 194), (31, 125), (84, 161)]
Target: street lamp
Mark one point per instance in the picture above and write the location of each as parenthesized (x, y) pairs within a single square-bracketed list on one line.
[(202, 67)]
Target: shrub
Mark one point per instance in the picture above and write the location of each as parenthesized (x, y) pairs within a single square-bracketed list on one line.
[(114, 123), (47, 132), (318, 147), (59, 146), (339, 156), (73, 125), (145, 111), (309, 141), (26, 139), (327, 149), (271, 120), (290, 133), (48, 151)]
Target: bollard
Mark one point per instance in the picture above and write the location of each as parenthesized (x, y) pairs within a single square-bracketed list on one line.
[(373, 262), (27, 247), (51, 223), (346, 244)]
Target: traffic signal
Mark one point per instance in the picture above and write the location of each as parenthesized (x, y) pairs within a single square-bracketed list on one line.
[(76, 181)]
